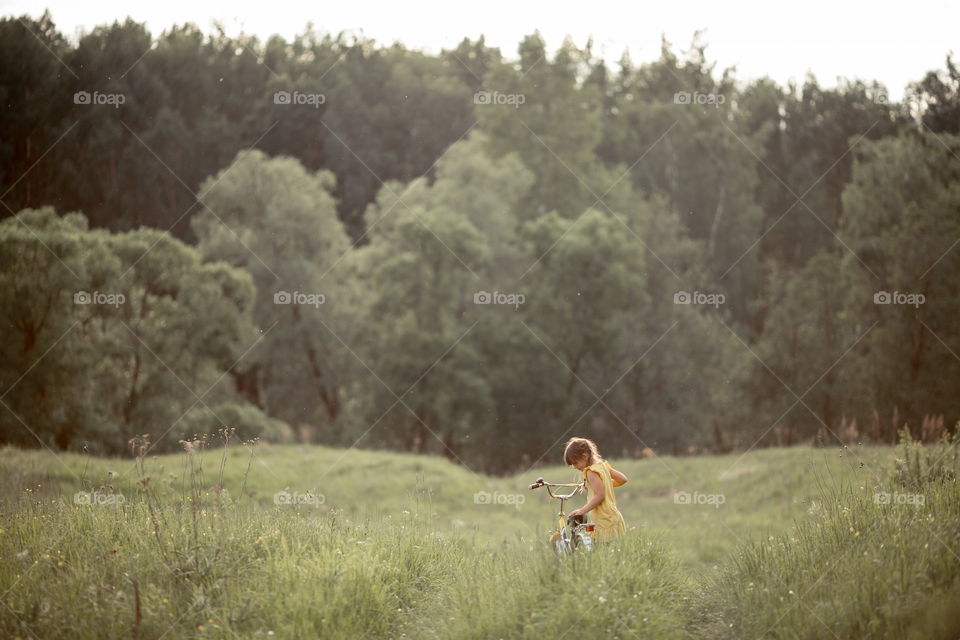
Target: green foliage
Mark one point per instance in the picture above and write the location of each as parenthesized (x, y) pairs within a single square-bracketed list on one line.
[(121, 334), (937, 97), (277, 221), (595, 193), (919, 467)]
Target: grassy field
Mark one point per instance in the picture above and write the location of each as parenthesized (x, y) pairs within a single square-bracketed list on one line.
[(307, 541)]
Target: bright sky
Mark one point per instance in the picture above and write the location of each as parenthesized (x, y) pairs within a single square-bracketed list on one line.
[(892, 43)]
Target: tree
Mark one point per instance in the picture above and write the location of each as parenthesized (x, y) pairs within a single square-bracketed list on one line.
[(416, 343), (548, 118), (901, 215), (278, 221), (122, 334), (35, 106), (804, 379), (937, 99), (678, 131)]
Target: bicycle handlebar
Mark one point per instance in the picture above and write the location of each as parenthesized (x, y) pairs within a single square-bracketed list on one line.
[(578, 486)]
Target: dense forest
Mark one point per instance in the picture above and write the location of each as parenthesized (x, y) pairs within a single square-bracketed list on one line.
[(473, 253)]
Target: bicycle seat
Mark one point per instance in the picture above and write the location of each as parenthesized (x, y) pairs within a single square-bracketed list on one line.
[(576, 520)]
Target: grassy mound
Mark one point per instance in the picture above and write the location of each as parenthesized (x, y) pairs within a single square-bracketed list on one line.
[(301, 541)]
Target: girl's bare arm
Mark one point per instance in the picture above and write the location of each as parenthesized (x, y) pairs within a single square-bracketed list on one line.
[(617, 477), (597, 485)]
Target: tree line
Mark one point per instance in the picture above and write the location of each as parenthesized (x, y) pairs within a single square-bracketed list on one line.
[(466, 253)]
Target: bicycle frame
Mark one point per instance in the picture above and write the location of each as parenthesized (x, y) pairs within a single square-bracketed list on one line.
[(572, 532)]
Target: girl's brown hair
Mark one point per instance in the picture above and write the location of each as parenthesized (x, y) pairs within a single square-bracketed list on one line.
[(577, 448)]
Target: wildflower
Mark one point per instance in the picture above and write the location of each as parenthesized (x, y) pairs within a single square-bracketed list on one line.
[(200, 627)]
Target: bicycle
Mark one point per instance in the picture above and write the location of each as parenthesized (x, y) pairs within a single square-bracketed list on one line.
[(573, 532)]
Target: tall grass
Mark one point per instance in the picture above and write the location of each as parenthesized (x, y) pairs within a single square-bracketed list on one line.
[(184, 558), (871, 560), (631, 588), (197, 548)]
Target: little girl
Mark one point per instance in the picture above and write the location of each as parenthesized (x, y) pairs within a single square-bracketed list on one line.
[(582, 454)]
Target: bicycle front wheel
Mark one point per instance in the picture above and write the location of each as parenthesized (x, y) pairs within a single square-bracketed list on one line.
[(560, 544)]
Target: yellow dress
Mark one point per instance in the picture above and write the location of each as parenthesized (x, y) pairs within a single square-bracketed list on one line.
[(607, 518)]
